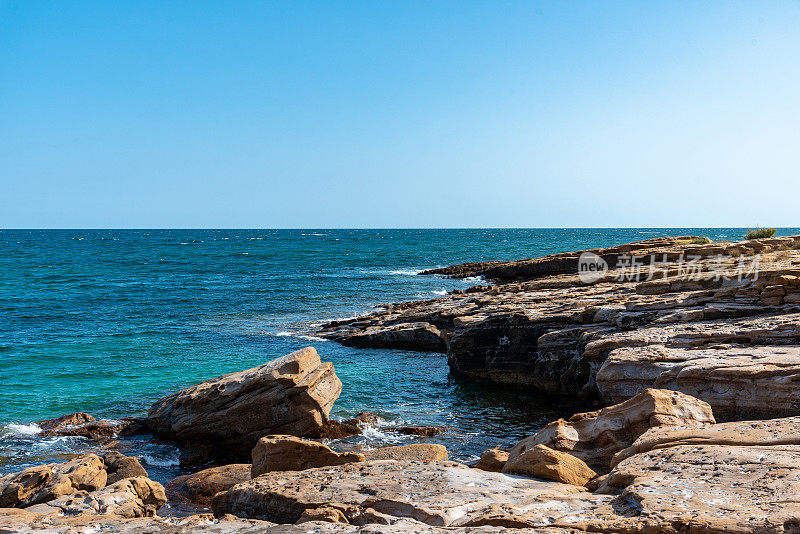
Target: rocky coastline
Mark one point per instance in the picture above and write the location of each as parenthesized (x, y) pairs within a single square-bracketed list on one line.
[(686, 353)]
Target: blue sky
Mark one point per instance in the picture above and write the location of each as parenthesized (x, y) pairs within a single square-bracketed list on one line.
[(399, 114)]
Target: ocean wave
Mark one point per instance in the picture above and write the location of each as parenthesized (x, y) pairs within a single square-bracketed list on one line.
[(406, 272), (299, 336), (23, 431), (441, 292), (160, 462), (315, 234)]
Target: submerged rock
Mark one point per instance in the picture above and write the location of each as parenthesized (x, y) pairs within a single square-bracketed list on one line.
[(594, 437), (226, 416), (289, 453)]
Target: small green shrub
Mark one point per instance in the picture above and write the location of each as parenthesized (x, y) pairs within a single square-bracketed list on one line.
[(760, 233)]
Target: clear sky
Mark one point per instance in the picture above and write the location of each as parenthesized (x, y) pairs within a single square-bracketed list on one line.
[(399, 114)]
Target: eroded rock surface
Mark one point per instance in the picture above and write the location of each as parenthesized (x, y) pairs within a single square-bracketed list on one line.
[(289, 453), (227, 415), (543, 462), (595, 437), (198, 488), (640, 325)]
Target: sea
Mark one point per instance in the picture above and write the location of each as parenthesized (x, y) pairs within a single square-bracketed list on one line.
[(108, 321)]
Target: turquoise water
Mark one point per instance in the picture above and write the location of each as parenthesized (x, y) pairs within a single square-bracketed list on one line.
[(107, 321)]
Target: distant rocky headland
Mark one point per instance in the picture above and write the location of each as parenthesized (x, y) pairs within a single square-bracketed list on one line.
[(685, 354)]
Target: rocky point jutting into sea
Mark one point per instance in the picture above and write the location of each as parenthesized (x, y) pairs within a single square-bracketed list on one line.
[(686, 353)]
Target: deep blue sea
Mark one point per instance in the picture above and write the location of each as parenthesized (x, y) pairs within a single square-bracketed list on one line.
[(107, 321)]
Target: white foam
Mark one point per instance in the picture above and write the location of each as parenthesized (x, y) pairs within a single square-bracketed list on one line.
[(407, 272), (299, 336), (160, 462), (439, 292), (20, 430)]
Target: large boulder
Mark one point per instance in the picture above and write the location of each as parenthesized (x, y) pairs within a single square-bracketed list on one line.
[(595, 437), (131, 497), (48, 482), (198, 488), (118, 467), (226, 416), (492, 460), (289, 453), (543, 462)]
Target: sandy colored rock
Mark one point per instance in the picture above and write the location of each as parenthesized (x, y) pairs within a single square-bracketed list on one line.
[(419, 452), (48, 482), (225, 416), (327, 514), (131, 497), (118, 466), (437, 494), (739, 382), (769, 433), (492, 460), (594, 437), (290, 453), (198, 488), (543, 462)]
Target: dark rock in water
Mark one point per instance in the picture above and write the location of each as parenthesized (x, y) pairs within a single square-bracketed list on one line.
[(364, 419), (423, 431), (119, 466), (224, 418), (84, 425), (334, 430), (198, 488)]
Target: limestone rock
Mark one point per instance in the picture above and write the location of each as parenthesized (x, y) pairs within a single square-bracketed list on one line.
[(419, 452), (198, 488), (327, 514), (769, 433), (119, 466), (543, 462), (131, 497), (47, 482), (492, 460), (289, 453), (739, 382), (595, 437), (437, 494), (290, 395)]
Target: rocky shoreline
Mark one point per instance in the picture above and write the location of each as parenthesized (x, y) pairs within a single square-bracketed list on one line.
[(690, 353)]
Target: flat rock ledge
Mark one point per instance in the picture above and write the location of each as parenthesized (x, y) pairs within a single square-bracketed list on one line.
[(718, 321), (226, 416)]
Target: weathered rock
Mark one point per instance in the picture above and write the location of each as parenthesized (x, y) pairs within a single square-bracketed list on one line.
[(544, 462), (415, 336), (437, 494), (414, 430), (738, 382), (769, 433), (131, 497), (289, 453), (80, 424), (492, 460), (712, 488), (419, 452), (327, 514), (118, 466), (541, 327), (365, 419), (48, 482), (334, 430), (198, 488), (290, 395), (595, 437)]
